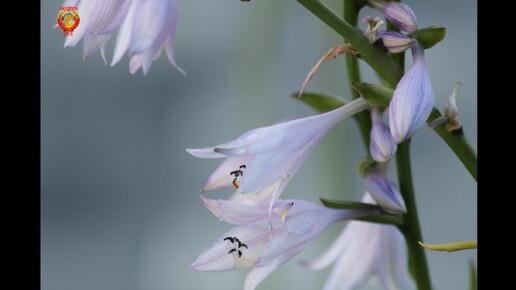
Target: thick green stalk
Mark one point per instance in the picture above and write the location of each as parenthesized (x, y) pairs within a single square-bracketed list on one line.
[(411, 228), (458, 143), (375, 57), (351, 10)]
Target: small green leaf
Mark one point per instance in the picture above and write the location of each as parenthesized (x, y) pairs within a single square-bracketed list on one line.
[(451, 247), (346, 204), (472, 276), (429, 36), (322, 103), (375, 95), (375, 218)]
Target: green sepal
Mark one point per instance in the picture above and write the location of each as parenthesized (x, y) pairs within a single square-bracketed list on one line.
[(375, 95), (429, 36), (320, 102)]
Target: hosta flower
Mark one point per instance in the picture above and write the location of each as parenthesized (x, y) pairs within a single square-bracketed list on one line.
[(269, 155), (413, 98), (373, 26), (382, 146), (265, 244), (385, 193), (393, 42), (399, 14), (144, 28), (363, 250)]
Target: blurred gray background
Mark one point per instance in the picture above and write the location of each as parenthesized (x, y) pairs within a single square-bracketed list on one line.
[(120, 207)]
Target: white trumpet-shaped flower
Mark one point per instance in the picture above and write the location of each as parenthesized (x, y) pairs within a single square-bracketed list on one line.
[(363, 250), (269, 155), (144, 28), (264, 244)]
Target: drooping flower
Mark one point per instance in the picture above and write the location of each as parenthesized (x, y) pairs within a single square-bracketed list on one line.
[(385, 193), (399, 14), (363, 250), (267, 155), (373, 26), (393, 42), (413, 98), (144, 28), (262, 244), (382, 146)]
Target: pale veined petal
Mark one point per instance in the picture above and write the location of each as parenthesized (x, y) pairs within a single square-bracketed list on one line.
[(413, 99), (259, 273), (150, 23), (107, 15), (169, 46), (94, 42), (124, 34), (385, 193), (354, 266), (84, 8)]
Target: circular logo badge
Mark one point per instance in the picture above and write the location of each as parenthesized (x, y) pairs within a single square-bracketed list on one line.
[(68, 20)]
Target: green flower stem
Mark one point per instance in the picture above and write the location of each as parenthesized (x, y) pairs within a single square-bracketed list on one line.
[(376, 58), (363, 118), (458, 143), (411, 228)]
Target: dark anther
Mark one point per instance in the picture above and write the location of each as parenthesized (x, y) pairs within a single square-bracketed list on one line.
[(231, 251), (230, 239), (239, 254), (242, 166), (237, 173)]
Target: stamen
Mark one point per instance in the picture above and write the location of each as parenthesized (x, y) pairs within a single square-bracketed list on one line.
[(237, 174)]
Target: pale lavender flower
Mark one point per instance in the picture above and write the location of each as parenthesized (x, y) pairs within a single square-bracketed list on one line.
[(144, 28), (262, 244), (394, 42), (363, 250), (399, 14), (385, 193), (413, 98), (373, 26), (382, 146), (271, 155)]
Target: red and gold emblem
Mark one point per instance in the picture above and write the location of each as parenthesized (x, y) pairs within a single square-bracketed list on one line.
[(68, 19)]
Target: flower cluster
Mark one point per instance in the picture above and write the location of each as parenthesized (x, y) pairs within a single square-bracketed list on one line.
[(144, 29), (268, 230), (413, 97)]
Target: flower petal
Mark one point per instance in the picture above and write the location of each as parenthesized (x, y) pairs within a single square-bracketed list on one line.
[(169, 42), (93, 43), (354, 266), (124, 34), (84, 8), (107, 15), (222, 177), (259, 273), (382, 145), (392, 269), (413, 99), (217, 257), (238, 213), (151, 24), (385, 193)]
